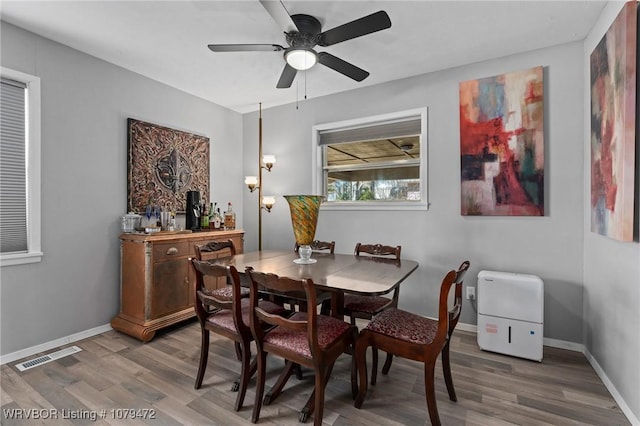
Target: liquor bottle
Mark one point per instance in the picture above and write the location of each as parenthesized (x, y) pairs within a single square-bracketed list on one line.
[(204, 217), (172, 221), (212, 214), (229, 218), (219, 223)]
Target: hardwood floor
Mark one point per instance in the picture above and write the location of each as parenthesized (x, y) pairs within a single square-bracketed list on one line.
[(114, 373)]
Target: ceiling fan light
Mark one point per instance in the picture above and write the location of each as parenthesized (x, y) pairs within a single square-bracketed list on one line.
[(301, 59)]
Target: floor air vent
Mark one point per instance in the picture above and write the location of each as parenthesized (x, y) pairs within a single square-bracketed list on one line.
[(47, 358)]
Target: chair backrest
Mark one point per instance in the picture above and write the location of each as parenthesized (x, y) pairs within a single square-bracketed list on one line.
[(211, 251), (283, 285), (448, 316), (320, 246), (378, 250), (215, 249), (218, 300)]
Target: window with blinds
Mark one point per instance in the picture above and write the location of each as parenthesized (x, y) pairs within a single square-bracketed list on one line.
[(19, 168), (13, 173), (376, 161)]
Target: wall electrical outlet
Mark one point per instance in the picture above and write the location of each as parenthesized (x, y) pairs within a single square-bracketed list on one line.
[(471, 293)]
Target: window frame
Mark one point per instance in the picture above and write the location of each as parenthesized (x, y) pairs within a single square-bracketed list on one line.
[(318, 180), (33, 170)]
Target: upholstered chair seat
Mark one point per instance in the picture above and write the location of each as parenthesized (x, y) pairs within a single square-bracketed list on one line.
[(365, 304), (226, 292), (330, 331), (405, 326)]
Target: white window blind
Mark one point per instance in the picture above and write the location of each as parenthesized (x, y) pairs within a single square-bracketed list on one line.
[(407, 127), (13, 174)]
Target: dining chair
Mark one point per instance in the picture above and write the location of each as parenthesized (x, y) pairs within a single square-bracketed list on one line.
[(215, 250), (226, 313), (415, 337), (319, 246), (219, 285), (306, 338), (323, 297), (366, 307)]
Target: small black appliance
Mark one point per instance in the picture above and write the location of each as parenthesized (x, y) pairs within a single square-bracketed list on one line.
[(193, 211)]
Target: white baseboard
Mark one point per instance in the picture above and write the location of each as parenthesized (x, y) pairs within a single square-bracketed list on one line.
[(14, 356), (563, 344), (471, 328), (612, 389)]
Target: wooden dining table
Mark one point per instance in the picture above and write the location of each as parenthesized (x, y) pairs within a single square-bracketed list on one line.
[(337, 273)]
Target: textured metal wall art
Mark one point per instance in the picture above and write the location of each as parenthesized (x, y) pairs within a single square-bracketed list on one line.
[(163, 165)]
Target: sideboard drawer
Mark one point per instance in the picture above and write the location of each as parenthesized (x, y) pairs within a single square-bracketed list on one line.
[(170, 251)]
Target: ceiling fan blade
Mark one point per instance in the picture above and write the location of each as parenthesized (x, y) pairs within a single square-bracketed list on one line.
[(366, 25), (287, 76), (279, 14), (245, 47), (343, 67)]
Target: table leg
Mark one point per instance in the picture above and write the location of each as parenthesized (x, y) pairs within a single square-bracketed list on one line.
[(337, 305)]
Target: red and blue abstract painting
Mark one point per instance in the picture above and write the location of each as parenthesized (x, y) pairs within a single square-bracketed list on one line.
[(613, 127), (502, 144)]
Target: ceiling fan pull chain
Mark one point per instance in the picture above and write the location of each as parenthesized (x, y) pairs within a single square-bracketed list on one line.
[(297, 92)]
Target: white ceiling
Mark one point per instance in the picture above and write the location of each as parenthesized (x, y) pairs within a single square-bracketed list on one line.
[(167, 40)]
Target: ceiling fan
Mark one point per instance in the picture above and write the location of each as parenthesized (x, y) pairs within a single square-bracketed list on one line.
[(303, 33)]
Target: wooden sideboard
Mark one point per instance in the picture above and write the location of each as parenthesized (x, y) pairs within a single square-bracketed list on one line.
[(157, 281)]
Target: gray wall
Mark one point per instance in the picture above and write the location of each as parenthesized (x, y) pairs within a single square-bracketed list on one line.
[(85, 105), (611, 275), (549, 246)]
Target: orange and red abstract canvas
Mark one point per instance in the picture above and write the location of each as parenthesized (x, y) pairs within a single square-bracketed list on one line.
[(613, 127), (502, 144)]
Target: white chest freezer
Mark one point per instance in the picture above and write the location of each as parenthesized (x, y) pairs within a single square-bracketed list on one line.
[(511, 314)]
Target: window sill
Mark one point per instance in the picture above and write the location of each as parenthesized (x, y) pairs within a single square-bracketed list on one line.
[(375, 206), (20, 258)]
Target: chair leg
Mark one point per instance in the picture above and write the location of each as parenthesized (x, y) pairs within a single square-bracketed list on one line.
[(354, 366), (282, 380), (298, 370), (252, 370), (446, 369), (322, 377), (313, 400), (238, 351), (262, 366), (374, 365), (325, 307), (360, 355), (430, 390), (387, 364), (204, 356), (245, 376)]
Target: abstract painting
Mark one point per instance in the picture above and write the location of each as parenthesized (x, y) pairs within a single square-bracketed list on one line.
[(163, 165), (613, 127), (502, 145)]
